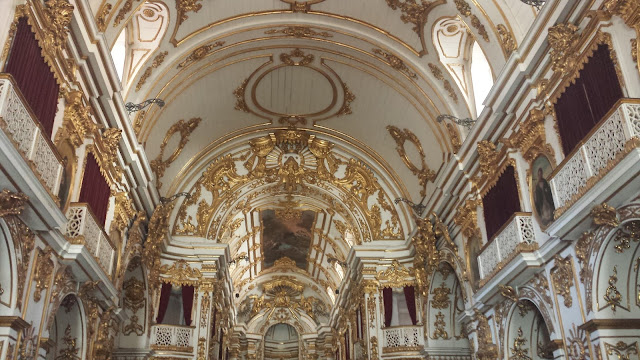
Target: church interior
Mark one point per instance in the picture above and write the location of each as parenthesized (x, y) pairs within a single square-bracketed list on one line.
[(460, 180)]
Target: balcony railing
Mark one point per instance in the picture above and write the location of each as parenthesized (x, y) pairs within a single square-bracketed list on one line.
[(516, 235), (83, 228), (172, 338), (22, 127), (402, 338), (616, 135)]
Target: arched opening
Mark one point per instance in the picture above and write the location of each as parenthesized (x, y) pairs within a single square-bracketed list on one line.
[(66, 335), (528, 334), (119, 53), (281, 341), (481, 77), (7, 282), (134, 305)]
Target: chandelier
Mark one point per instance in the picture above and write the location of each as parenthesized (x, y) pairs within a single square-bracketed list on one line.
[(537, 3)]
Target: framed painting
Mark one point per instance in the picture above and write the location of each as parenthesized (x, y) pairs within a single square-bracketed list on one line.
[(541, 196)]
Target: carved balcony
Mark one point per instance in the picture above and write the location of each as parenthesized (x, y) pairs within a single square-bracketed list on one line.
[(172, 338), (402, 339), (515, 236), (83, 228), (23, 129), (608, 143)]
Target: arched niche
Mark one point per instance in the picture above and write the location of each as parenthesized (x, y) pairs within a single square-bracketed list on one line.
[(443, 334), (281, 341), (8, 278), (134, 305), (527, 333), (66, 338)]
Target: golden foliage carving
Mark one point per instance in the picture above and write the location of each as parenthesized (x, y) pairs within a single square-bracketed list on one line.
[(563, 39), (422, 171), (395, 276), (12, 203), (159, 165), (180, 273)]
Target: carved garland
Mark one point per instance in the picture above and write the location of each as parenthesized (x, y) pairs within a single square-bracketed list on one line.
[(159, 165)]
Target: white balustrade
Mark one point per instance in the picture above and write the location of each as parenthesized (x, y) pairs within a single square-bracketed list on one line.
[(82, 227), (22, 127), (596, 153), (172, 338), (519, 230), (402, 338)]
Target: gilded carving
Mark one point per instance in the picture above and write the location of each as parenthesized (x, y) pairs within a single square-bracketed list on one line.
[(124, 10), (396, 63), (628, 10), (77, 123), (241, 104), (349, 97), (441, 297), (157, 61), (185, 6), (159, 165), (71, 350), (374, 347), (101, 18), (204, 309), (519, 351), (423, 172), (180, 273), (466, 218), (578, 346), (134, 298), (12, 203), (488, 158), (604, 214), (200, 53), (465, 10), (58, 14), (621, 349), (202, 349), (507, 40), (439, 75), (415, 13), (299, 32), (487, 350), (530, 139), (624, 236), (612, 296), (563, 39), (395, 276), (541, 285), (562, 278), (439, 326), (43, 274), (454, 135)]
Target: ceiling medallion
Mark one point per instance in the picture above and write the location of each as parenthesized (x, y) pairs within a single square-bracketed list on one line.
[(416, 14), (301, 5), (298, 89)]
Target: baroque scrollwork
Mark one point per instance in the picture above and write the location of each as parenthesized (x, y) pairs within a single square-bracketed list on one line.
[(396, 63), (612, 296), (415, 12), (157, 61), (621, 349), (395, 276), (563, 39), (159, 165), (12, 203), (43, 273), (423, 172), (562, 278), (465, 10), (439, 75)]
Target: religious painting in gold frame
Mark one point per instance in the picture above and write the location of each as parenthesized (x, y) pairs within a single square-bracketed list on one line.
[(541, 195)]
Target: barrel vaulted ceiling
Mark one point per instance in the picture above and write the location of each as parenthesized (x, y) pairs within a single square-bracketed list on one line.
[(308, 116)]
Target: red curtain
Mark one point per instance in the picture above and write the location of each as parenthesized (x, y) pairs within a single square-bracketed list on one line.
[(33, 76), (187, 303), (95, 190), (410, 296), (387, 299), (501, 202), (165, 294), (587, 101)]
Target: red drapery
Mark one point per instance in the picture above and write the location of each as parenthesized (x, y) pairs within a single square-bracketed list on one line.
[(95, 190), (33, 76), (387, 299), (410, 296), (187, 303), (501, 202), (165, 294), (587, 101)]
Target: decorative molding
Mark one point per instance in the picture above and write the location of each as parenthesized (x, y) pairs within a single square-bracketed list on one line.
[(578, 345), (159, 165), (416, 13), (157, 61), (454, 134), (518, 351), (612, 296), (299, 32), (621, 349), (465, 10), (604, 214), (180, 273), (562, 278), (122, 13), (101, 18), (396, 63), (43, 273), (440, 297), (506, 39), (200, 53), (530, 139), (439, 75), (12, 203), (423, 172), (466, 217), (396, 276), (487, 349), (439, 326), (564, 40)]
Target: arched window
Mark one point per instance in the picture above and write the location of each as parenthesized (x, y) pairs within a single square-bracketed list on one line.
[(119, 53), (331, 294), (339, 270), (481, 77)]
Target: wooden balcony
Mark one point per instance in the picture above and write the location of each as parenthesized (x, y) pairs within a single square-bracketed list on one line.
[(172, 338), (403, 339)]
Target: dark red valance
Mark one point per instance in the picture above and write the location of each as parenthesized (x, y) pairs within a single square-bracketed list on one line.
[(33, 76), (95, 190), (501, 202), (587, 101)]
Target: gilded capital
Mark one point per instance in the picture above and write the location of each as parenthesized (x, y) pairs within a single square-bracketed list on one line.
[(12, 203), (604, 214)]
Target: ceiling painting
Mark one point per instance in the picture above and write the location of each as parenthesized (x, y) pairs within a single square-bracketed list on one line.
[(286, 235)]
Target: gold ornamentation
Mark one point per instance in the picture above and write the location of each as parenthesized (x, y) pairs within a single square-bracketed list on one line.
[(159, 165), (454, 134), (634, 51), (562, 278), (157, 61), (12, 203), (134, 296), (101, 19), (124, 10), (290, 58), (466, 218), (518, 351), (374, 347), (612, 296), (578, 346), (582, 248), (423, 172), (488, 158), (563, 39), (487, 350), (346, 104), (415, 13), (396, 276), (241, 104), (439, 75), (440, 325), (202, 349), (58, 14), (299, 32), (204, 309), (541, 285), (77, 123), (200, 53), (465, 10), (180, 273), (530, 139), (396, 63), (623, 237), (506, 39), (441, 297), (604, 214), (622, 349), (185, 6), (43, 273), (71, 350), (628, 10)]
